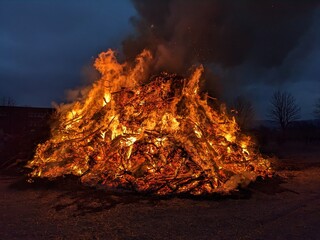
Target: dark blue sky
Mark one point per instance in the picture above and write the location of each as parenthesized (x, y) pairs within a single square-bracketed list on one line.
[(46, 48), (299, 74)]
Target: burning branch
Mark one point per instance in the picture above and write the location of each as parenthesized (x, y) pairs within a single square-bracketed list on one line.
[(160, 137)]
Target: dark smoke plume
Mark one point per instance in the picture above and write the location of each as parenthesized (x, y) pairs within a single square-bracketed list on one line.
[(225, 33)]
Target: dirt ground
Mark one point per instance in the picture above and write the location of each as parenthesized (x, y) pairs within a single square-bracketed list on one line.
[(285, 207)]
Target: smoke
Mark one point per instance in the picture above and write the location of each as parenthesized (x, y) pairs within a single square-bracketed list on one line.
[(219, 33)]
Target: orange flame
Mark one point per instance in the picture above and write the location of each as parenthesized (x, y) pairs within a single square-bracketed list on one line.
[(159, 137)]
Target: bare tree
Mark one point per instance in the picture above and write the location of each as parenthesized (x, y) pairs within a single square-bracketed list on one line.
[(316, 111), (243, 112), (7, 101), (284, 109)]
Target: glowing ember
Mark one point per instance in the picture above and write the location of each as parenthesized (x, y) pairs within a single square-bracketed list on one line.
[(160, 137)]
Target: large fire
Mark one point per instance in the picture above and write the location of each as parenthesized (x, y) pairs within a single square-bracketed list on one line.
[(159, 136)]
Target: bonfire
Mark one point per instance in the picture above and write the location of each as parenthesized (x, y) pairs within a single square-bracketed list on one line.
[(155, 136)]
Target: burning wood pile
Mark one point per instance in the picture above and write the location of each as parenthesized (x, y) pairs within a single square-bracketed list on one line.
[(160, 137)]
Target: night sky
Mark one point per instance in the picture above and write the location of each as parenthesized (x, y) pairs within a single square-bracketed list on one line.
[(47, 47)]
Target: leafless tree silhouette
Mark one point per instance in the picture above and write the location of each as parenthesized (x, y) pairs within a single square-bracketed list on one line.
[(284, 109), (243, 112), (7, 101), (316, 111)]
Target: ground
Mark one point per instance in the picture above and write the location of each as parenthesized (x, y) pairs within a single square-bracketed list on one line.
[(284, 207)]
